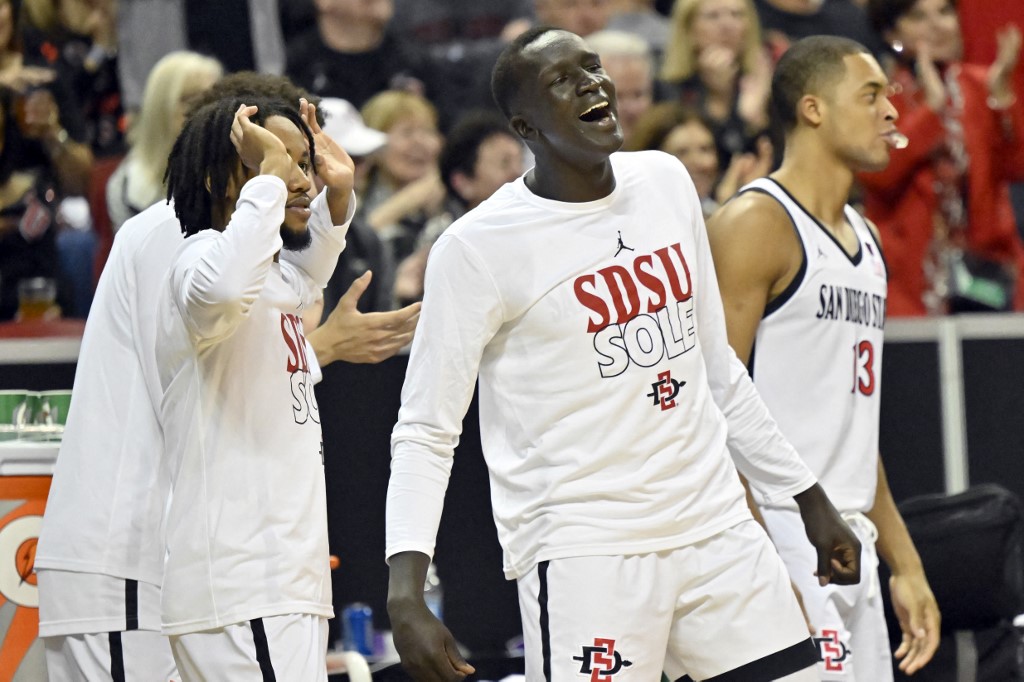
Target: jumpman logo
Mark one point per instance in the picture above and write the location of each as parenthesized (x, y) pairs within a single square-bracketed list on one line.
[(622, 246)]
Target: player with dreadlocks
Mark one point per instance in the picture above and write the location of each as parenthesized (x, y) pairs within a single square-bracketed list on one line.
[(100, 562), (246, 580)]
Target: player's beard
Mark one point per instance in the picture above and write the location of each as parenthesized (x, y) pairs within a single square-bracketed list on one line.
[(295, 241)]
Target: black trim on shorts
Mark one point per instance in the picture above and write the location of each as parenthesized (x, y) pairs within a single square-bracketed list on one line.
[(259, 638), (116, 657), (792, 659), (131, 604), (545, 632)]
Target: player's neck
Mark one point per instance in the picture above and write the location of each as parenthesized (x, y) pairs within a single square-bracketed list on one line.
[(571, 183), (821, 184)]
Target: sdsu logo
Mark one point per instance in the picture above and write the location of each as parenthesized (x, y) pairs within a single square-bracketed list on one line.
[(304, 405), (640, 314), (665, 390), (601, 661), (832, 652)]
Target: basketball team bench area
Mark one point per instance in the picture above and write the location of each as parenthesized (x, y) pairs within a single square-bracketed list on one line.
[(951, 420)]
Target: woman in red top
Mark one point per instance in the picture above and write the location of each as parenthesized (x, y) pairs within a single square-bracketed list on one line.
[(942, 204)]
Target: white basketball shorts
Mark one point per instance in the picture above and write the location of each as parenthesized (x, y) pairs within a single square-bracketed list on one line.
[(272, 649), (721, 609), (129, 656), (851, 635)]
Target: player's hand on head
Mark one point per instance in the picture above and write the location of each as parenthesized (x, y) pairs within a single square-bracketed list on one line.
[(427, 649), (332, 163), (837, 546), (255, 144), (919, 618)]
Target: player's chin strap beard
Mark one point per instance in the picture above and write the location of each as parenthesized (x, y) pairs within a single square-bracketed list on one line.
[(295, 241)]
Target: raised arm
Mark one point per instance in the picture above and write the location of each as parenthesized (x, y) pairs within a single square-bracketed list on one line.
[(331, 211), (217, 276)]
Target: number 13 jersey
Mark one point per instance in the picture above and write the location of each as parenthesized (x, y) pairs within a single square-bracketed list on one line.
[(817, 356)]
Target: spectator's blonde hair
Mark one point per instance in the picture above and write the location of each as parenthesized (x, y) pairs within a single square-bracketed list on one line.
[(680, 59), (153, 132), (386, 108), (41, 14)]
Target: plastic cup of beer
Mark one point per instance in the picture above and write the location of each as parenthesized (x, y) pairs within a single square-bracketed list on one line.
[(36, 296)]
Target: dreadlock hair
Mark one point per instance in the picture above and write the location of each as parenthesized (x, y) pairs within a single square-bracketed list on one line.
[(249, 85), (504, 80), (204, 159)]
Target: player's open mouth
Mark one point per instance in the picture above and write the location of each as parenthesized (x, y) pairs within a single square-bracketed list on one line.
[(600, 113)]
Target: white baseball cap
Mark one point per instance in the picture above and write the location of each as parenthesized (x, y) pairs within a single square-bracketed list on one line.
[(343, 123)]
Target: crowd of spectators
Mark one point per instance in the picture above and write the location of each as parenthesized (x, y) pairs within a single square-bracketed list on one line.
[(93, 92)]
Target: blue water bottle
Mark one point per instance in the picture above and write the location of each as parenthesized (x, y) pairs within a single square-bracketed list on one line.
[(357, 628)]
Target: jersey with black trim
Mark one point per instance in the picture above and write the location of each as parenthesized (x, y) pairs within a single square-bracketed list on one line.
[(817, 358), (609, 395)]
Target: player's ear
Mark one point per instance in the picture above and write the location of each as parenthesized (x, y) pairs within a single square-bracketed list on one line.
[(521, 128), (810, 108)]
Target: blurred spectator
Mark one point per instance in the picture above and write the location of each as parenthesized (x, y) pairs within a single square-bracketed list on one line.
[(479, 156), (78, 39), (716, 64), (363, 247), (138, 181), (49, 126), (403, 188), (352, 54), (28, 229), (786, 21), (942, 204), (627, 60), (150, 29), (44, 137), (673, 128), (582, 17), (640, 18), (979, 24)]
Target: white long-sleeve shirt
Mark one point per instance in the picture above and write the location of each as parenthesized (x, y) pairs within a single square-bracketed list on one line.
[(247, 526), (609, 395)]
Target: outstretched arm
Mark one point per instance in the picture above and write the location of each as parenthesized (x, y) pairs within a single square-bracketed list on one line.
[(912, 597), (352, 336)]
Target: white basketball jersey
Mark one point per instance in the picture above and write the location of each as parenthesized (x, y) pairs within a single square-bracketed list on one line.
[(817, 357)]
